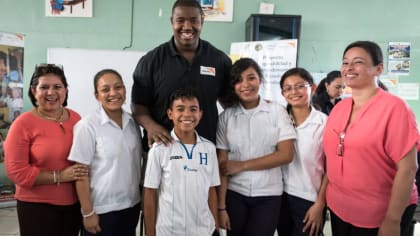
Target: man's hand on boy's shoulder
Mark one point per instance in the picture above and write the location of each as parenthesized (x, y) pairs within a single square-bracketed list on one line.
[(158, 134)]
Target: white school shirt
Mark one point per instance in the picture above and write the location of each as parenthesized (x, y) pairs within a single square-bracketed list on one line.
[(183, 174), (113, 155), (248, 135), (303, 176)]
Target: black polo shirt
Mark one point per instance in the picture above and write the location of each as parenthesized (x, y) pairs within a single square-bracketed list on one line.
[(163, 70)]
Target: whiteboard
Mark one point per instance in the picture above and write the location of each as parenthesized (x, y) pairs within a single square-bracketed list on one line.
[(81, 65)]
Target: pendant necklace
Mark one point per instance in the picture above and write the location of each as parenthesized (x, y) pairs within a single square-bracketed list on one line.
[(59, 120)]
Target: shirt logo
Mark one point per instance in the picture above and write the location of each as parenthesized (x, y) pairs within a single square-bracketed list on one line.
[(204, 70), (203, 158), (175, 157), (186, 168)]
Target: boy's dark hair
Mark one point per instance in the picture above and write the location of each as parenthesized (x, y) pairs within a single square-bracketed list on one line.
[(183, 93), (187, 3)]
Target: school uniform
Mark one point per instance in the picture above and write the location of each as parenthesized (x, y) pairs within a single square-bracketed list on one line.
[(303, 176), (183, 174), (246, 135), (113, 155)]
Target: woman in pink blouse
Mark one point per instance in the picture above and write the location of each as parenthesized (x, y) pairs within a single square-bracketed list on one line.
[(36, 150), (370, 145)]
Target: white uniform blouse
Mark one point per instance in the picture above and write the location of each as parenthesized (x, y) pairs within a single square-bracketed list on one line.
[(303, 176), (250, 134), (113, 155)]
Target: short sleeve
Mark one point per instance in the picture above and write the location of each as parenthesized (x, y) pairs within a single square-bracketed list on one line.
[(225, 90), (402, 132), (215, 177), (142, 90), (221, 138), (153, 174), (84, 142), (287, 130)]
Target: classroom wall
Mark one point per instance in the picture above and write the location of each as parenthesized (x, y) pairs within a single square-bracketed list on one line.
[(327, 27)]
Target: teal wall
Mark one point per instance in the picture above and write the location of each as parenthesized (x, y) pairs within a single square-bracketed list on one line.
[(327, 27)]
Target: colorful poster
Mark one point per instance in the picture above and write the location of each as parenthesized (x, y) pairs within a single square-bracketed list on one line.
[(68, 8), (274, 57), (11, 96), (399, 58), (217, 10)]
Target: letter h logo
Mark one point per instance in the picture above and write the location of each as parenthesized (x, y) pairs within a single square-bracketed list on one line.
[(203, 158)]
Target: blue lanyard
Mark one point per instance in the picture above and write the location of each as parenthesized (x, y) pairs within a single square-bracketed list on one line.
[(189, 154)]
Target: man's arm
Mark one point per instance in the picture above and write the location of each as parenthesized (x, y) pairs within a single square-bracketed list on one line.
[(155, 132), (226, 97)]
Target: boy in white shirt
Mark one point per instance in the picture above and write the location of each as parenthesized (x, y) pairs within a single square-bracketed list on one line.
[(179, 187)]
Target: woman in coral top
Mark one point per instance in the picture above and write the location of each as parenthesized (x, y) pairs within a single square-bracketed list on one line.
[(370, 144), (36, 150)]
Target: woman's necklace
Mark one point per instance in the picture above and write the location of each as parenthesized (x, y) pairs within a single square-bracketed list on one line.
[(59, 120)]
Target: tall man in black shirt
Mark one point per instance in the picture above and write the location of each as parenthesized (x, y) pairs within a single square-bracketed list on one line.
[(184, 61)]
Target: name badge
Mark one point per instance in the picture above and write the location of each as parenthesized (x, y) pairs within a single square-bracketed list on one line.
[(204, 70)]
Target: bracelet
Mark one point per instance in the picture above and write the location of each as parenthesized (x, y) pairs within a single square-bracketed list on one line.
[(88, 214), (54, 176), (221, 209), (58, 178)]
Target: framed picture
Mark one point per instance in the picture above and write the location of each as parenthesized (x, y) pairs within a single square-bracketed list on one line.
[(68, 8), (217, 10)]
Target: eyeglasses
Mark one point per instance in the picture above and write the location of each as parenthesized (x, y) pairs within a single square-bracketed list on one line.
[(297, 87), (47, 66), (340, 147)]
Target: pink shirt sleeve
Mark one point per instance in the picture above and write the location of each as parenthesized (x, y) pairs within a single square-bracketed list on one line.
[(403, 135), (16, 149)]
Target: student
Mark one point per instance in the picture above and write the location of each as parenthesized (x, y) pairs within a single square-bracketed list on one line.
[(303, 201), (185, 60), (108, 141), (370, 143), (254, 137), (328, 92), (179, 187)]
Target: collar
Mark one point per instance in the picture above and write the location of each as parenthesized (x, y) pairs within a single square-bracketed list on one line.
[(263, 106), (104, 118), (198, 139), (174, 52), (315, 116)]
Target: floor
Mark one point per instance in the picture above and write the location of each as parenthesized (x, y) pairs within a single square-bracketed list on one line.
[(9, 225)]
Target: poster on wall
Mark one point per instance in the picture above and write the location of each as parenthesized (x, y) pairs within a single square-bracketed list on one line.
[(68, 8), (11, 94), (274, 57), (217, 10), (399, 58)]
